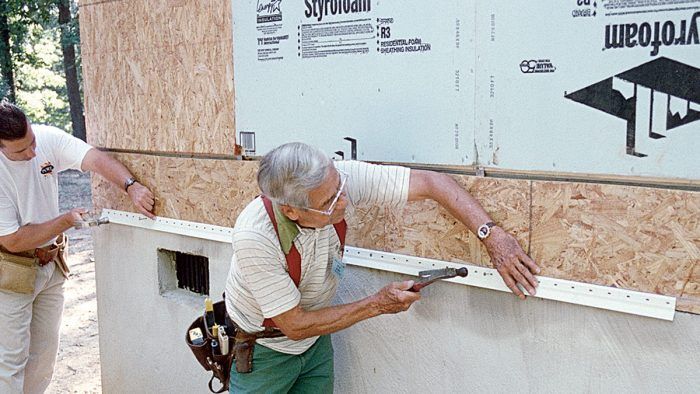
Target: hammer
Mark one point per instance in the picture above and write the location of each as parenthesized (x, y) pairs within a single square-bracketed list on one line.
[(427, 277), (90, 221)]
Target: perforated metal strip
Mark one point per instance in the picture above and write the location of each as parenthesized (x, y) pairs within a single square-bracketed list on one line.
[(634, 302), (627, 301)]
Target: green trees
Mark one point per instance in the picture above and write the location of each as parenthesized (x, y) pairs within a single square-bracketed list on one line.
[(39, 64)]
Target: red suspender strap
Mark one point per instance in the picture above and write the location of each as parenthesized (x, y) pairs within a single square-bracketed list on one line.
[(293, 257), (340, 229)]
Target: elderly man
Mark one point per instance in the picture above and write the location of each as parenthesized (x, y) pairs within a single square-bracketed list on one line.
[(301, 213), (32, 264)]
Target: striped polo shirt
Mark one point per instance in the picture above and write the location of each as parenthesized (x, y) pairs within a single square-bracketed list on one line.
[(259, 285)]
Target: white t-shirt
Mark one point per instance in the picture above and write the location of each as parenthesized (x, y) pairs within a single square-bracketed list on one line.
[(259, 285), (29, 189)]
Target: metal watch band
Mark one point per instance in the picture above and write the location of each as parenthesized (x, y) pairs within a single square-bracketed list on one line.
[(484, 230), (128, 182)]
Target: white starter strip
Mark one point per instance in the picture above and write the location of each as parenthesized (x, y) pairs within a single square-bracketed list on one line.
[(634, 302), (173, 226), (628, 301)]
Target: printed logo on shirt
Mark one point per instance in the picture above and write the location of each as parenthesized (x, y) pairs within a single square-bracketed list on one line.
[(47, 168)]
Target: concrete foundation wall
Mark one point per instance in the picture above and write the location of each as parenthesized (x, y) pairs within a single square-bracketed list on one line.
[(465, 339), (456, 339), (142, 328)]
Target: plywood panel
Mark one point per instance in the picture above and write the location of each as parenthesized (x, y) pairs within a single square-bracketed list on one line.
[(175, 22), (107, 195), (104, 26), (628, 237), (427, 230), (215, 191), (170, 99), (198, 190), (109, 27), (159, 76)]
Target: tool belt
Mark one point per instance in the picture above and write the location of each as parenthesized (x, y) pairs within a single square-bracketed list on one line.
[(241, 352), (18, 270)]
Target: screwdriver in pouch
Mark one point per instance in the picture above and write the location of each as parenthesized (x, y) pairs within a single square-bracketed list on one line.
[(427, 277)]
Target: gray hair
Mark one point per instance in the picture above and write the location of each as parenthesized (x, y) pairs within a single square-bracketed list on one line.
[(290, 171)]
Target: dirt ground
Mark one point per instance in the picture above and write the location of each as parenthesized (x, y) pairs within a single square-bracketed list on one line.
[(78, 363)]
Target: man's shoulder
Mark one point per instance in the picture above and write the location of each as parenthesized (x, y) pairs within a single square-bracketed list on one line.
[(253, 218), (43, 129), (253, 225), (48, 135)]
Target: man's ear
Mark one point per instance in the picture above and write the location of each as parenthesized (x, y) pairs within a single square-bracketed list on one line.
[(290, 212)]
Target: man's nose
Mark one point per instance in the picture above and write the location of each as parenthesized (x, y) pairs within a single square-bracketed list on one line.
[(343, 201)]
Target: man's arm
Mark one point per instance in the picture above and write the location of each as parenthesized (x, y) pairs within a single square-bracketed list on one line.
[(298, 324), (115, 172), (32, 236), (514, 265)]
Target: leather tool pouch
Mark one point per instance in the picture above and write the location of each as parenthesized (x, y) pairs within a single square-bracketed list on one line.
[(62, 244), (241, 348), (17, 273), (243, 345), (219, 365)]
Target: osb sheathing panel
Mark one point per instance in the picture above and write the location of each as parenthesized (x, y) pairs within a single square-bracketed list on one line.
[(197, 190), (628, 237), (127, 25), (427, 230), (215, 192), (161, 76)]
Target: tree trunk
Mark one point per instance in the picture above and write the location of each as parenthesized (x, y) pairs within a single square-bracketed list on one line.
[(8, 75), (68, 48)]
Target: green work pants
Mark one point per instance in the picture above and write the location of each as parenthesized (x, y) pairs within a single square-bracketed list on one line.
[(275, 372)]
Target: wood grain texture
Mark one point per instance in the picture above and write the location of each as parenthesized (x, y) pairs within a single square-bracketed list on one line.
[(428, 230), (197, 190), (159, 76), (629, 237)]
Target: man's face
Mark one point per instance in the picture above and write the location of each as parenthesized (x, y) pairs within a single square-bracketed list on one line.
[(321, 199), (23, 149)]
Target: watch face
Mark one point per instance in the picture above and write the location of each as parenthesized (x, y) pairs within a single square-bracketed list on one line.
[(483, 231)]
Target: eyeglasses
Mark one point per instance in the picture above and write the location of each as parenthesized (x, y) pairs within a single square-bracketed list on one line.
[(341, 189)]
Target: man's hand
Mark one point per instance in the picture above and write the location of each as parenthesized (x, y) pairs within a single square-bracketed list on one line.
[(511, 261), (298, 324), (142, 198), (115, 172), (73, 217), (395, 297)]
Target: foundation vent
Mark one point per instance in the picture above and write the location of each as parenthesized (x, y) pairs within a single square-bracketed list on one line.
[(192, 272), (179, 270)]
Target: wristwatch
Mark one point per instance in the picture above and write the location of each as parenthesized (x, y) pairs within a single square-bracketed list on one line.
[(128, 182), (484, 230)]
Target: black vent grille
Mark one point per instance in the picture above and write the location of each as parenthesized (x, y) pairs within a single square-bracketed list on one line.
[(192, 272)]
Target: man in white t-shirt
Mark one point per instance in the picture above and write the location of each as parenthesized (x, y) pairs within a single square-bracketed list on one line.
[(32, 265), (308, 196)]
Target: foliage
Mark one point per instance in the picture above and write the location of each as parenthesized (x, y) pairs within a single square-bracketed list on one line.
[(41, 86), (37, 59)]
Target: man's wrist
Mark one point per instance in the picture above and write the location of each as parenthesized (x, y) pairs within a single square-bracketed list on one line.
[(483, 232), (495, 232), (128, 182)]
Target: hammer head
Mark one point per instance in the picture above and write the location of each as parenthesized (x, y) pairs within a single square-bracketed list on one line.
[(444, 273), (91, 222), (427, 277)]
